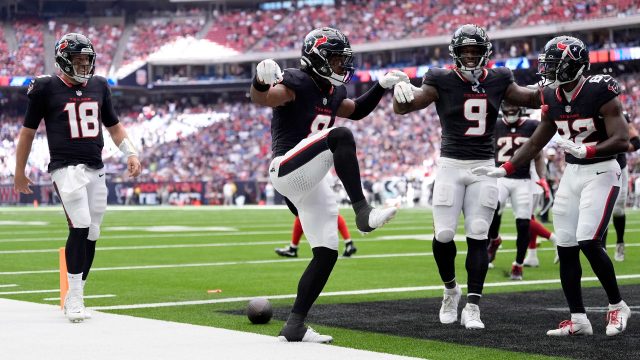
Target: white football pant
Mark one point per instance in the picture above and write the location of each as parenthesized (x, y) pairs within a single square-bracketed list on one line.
[(519, 191)]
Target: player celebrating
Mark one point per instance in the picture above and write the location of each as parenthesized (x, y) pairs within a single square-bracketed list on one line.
[(305, 146), (467, 100), (74, 104), (588, 116), (292, 249)]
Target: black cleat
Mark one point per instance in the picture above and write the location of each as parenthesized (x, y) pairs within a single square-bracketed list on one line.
[(349, 249), (287, 251)]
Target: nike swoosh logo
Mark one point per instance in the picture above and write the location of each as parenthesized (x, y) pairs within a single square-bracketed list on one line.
[(101, 175), (600, 172)]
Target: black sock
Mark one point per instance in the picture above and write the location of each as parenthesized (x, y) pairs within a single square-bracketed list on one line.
[(343, 146), (74, 251), (90, 252), (522, 240), (494, 229), (603, 268), (314, 278), (570, 275), (477, 264), (445, 256), (619, 223)]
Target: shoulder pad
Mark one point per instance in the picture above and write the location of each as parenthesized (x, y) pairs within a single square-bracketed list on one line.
[(38, 85), (605, 83), (434, 73), (294, 78)]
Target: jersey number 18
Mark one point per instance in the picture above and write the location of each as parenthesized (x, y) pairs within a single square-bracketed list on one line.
[(87, 125)]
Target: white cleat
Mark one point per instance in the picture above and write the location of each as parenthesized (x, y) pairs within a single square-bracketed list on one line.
[(449, 308), (617, 318), (470, 317), (311, 336), (619, 255), (74, 308), (570, 328), (379, 217), (531, 261)]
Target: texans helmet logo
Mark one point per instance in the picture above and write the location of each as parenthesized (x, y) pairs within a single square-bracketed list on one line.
[(570, 49), (63, 45), (320, 41)]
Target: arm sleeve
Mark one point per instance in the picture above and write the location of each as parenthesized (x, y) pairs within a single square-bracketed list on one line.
[(36, 105), (109, 116), (367, 102)]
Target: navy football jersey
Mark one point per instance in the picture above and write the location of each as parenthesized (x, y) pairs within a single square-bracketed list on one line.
[(509, 138), (622, 157), (468, 115), (311, 111), (73, 115), (579, 120)]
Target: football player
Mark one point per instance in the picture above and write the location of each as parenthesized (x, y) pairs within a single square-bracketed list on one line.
[(74, 104), (467, 100), (292, 249), (619, 217), (587, 114), (305, 146)]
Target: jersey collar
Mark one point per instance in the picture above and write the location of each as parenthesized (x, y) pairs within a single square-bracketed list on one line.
[(561, 98), (70, 85), (481, 79)]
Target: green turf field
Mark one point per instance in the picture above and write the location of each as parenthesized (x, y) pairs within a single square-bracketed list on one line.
[(160, 263)]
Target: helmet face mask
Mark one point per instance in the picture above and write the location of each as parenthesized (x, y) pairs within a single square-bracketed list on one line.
[(470, 48), (75, 57), (564, 60), (510, 113), (328, 54)]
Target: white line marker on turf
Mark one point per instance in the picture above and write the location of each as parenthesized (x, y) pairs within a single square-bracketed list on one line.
[(28, 292), (341, 293), (84, 297), (8, 285)]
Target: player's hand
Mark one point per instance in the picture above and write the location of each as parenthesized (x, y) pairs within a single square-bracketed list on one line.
[(268, 72), (393, 77), (491, 171), (579, 151), (21, 183), (133, 166), (403, 92), (545, 186)]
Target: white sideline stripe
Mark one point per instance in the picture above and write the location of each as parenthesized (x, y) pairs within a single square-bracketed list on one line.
[(7, 285), (341, 293), (28, 292), (128, 337), (84, 297)]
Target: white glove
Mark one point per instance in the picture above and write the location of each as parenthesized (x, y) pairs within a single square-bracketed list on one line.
[(403, 92), (491, 171), (268, 72), (579, 151), (393, 77)]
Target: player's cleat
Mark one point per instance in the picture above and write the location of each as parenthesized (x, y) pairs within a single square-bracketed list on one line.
[(571, 328), (310, 336), (372, 218), (491, 266), (617, 318), (493, 248), (619, 255), (349, 249), (288, 251), (449, 308), (470, 317), (556, 259), (74, 308), (531, 260), (516, 272)]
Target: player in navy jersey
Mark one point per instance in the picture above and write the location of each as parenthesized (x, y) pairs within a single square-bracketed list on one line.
[(74, 104), (467, 100), (587, 114), (305, 103)]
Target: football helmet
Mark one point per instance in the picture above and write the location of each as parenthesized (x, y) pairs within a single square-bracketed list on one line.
[(67, 47), (327, 53), (470, 35), (563, 60), (511, 113)]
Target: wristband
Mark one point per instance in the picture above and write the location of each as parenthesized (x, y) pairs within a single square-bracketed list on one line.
[(635, 142), (508, 167), (591, 152), (127, 148), (260, 87)]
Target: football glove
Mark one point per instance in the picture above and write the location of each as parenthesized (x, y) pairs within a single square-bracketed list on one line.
[(393, 77), (268, 72), (403, 92), (579, 151), (491, 171), (545, 186)]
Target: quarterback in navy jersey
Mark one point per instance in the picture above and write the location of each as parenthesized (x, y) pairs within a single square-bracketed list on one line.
[(587, 114), (74, 104), (305, 104), (467, 99)]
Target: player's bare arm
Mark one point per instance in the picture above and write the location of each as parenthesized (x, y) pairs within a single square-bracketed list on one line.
[(21, 182), (119, 136), (634, 140), (523, 96), (544, 132), (356, 109), (617, 129), (266, 89), (541, 168), (408, 98)]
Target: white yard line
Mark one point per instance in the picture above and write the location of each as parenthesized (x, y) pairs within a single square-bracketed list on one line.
[(84, 297), (8, 285), (28, 292), (343, 293)]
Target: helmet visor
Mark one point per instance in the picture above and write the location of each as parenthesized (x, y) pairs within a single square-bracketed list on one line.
[(342, 65)]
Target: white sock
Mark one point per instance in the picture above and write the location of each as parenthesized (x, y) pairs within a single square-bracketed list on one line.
[(346, 241), (293, 246), (83, 282), (533, 252), (579, 318), (553, 238), (75, 282)]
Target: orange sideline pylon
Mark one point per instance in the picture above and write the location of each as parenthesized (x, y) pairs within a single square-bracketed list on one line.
[(64, 282)]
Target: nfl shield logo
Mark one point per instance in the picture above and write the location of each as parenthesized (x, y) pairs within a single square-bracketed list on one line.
[(567, 108), (78, 92), (324, 101)]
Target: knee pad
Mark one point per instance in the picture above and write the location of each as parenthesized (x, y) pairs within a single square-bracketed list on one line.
[(618, 210), (445, 236), (340, 135), (478, 227), (565, 239), (94, 232)]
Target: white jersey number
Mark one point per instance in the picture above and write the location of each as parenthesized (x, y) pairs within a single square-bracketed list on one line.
[(578, 130), (505, 144), (476, 110), (321, 122), (88, 125)]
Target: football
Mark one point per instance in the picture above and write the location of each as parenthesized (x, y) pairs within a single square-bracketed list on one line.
[(259, 311)]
